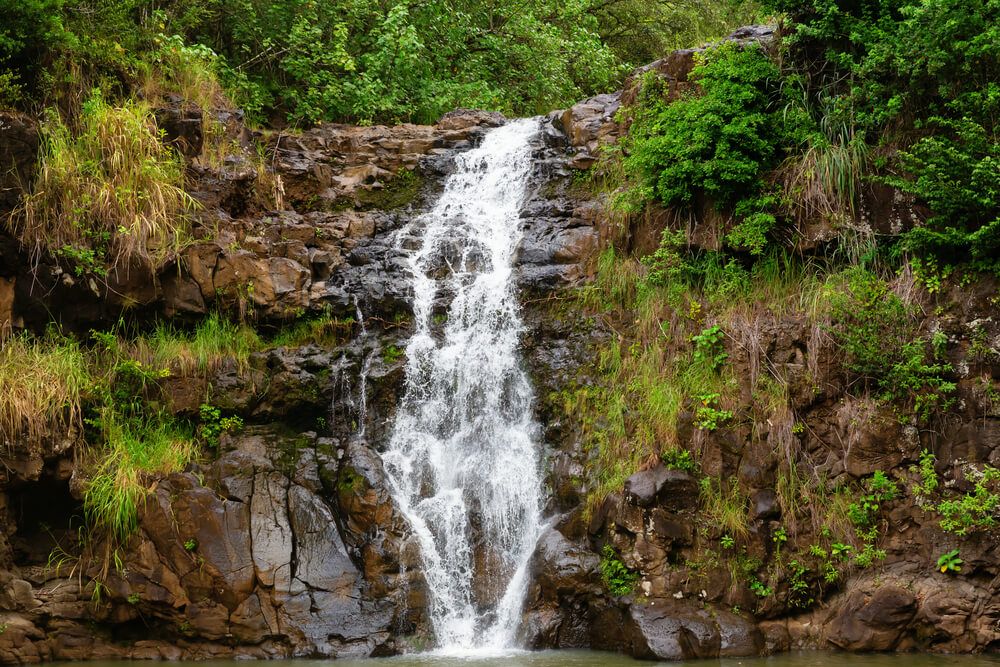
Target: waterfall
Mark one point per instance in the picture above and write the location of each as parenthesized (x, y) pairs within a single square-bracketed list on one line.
[(463, 460)]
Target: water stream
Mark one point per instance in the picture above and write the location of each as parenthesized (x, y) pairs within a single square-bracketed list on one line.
[(463, 460)]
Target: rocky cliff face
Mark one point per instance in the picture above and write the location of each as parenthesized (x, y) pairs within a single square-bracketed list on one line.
[(285, 541)]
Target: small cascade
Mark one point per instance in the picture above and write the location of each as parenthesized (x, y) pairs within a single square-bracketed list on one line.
[(463, 461), (371, 348), (351, 397)]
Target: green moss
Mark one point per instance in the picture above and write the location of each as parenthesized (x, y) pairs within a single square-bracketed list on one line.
[(391, 354), (399, 191), (349, 481)]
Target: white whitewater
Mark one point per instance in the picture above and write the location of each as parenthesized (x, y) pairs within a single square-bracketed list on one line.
[(463, 460)]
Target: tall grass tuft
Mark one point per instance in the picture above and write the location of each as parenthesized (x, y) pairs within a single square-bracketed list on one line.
[(212, 341), (41, 385), (121, 470), (824, 181), (724, 505), (107, 195), (187, 71)]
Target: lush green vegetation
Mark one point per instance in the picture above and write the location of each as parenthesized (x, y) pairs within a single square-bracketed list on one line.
[(921, 76), (716, 143), (878, 333), (899, 92), (358, 60), (858, 104)]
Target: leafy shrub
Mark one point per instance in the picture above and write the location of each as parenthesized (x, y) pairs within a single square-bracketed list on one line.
[(928, 475), (708, 347), (403, 61), (956, 171), (878, 334), (800, 592), (716, 142), (618, 578), (708, 416), (676, 458), (29, 29), (213, 424), (864, 511), (889, 67), (973, 511)]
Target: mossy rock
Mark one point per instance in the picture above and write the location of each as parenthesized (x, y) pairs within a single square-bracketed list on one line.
[(401, 191)]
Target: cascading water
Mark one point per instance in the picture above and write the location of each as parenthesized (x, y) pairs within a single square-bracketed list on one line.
[(463, 461)]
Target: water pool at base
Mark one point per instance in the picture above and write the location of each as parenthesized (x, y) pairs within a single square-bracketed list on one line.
[(599, 659)]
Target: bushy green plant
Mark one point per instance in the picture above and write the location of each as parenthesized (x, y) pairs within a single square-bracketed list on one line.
[(676, 458), (618, 578), (30, 28), (709, 347), (799, 588), (864, 511), (877, 332), (955, 171), (973, 511), (928, 475), (214, 424), (403, 61), (708, 416), (759, 588), (716, 142)]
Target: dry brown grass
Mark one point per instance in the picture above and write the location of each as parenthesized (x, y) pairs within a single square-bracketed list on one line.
[(185, 71), (41, 384), (108, 196)]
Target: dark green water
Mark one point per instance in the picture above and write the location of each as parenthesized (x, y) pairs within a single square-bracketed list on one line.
[(595, 659)]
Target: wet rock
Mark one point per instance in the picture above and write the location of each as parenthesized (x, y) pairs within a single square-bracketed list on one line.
[(182, 127), (675, 490), (564, 577), (675, 630), (872, 623), (765, 504)]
